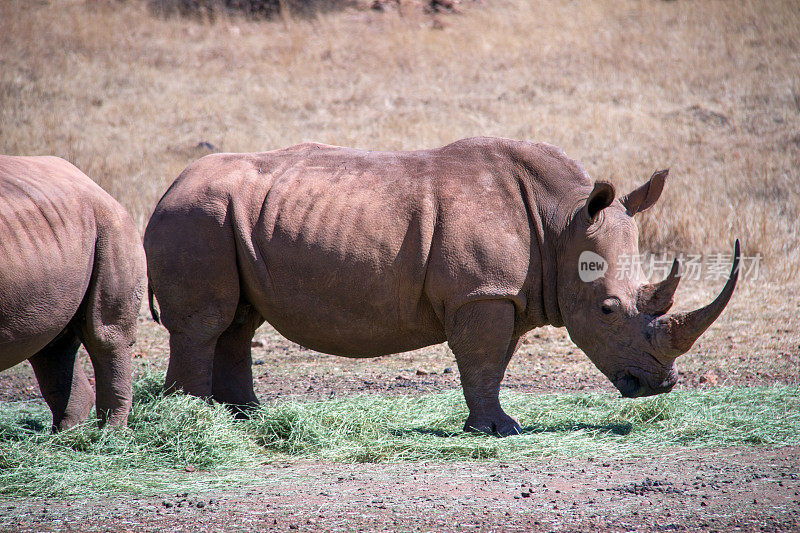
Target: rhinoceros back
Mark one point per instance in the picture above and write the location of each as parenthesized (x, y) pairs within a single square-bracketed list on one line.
[(344, 238), (344, 251), (330, 252)]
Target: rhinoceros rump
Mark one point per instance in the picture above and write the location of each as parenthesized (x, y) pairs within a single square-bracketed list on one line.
[(360, 254), (72, 271)]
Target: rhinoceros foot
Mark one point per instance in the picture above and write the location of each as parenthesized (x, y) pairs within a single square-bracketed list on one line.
[(499, 425)]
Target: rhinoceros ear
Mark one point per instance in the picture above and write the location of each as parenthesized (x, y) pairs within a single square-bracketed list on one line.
[(645, 196), (601, 197)]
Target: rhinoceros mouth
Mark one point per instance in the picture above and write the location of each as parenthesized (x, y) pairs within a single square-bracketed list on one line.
[(628, 385), (633, 385)]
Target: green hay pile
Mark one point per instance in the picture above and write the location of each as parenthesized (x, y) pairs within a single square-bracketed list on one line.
[(167, 435)]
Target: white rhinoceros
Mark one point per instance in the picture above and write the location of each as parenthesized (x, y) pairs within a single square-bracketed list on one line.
[(361, 254)]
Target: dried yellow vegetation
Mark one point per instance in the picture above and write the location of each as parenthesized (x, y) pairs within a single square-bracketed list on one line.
[(708, 88)]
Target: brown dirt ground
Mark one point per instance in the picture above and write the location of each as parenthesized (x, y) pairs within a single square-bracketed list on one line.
[(756, 342), (712, 490)]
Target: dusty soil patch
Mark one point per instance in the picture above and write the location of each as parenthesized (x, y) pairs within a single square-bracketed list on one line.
[(728, 490)]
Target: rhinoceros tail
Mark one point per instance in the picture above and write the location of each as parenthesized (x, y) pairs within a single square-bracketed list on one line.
[(152, 302)]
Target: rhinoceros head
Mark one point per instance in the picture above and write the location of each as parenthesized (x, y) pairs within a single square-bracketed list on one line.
[(610, 310)]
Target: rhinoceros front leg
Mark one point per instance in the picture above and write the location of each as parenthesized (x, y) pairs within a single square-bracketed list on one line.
[(63, 382), (481, 337)]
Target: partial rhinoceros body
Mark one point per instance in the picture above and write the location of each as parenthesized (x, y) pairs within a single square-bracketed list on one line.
[(72, 271), (361, 254)]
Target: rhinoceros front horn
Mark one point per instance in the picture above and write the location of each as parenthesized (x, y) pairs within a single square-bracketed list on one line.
[(674, 334)]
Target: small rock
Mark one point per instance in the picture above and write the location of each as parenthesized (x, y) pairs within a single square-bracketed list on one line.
[(437, 24), (526, 494), (421, 372), (190, 468), (167, 503), (447, 370), (440, 6), (709, 377), (256, 344), (205, 146), (708, 116)]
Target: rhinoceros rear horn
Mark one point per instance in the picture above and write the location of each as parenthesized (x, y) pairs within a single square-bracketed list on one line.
[(676, 333), (656, 298)]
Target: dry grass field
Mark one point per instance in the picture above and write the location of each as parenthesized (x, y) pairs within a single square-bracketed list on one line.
[(710, 89)]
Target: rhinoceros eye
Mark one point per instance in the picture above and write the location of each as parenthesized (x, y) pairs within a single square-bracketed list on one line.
[(610, 305)]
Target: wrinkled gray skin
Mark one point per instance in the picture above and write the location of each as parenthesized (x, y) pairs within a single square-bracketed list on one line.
[(72, 271), (361, 254)]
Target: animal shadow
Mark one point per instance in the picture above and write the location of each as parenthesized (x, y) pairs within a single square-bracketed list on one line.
[(27, 426), (31, 424), (623, 428), (424, 431), (566, 427)]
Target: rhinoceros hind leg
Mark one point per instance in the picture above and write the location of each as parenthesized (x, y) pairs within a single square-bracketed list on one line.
[(113, 369), (481, 336), (63, 382), (232, 381), (190, 364), (108, 326), (196, 319), (193, 273)]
